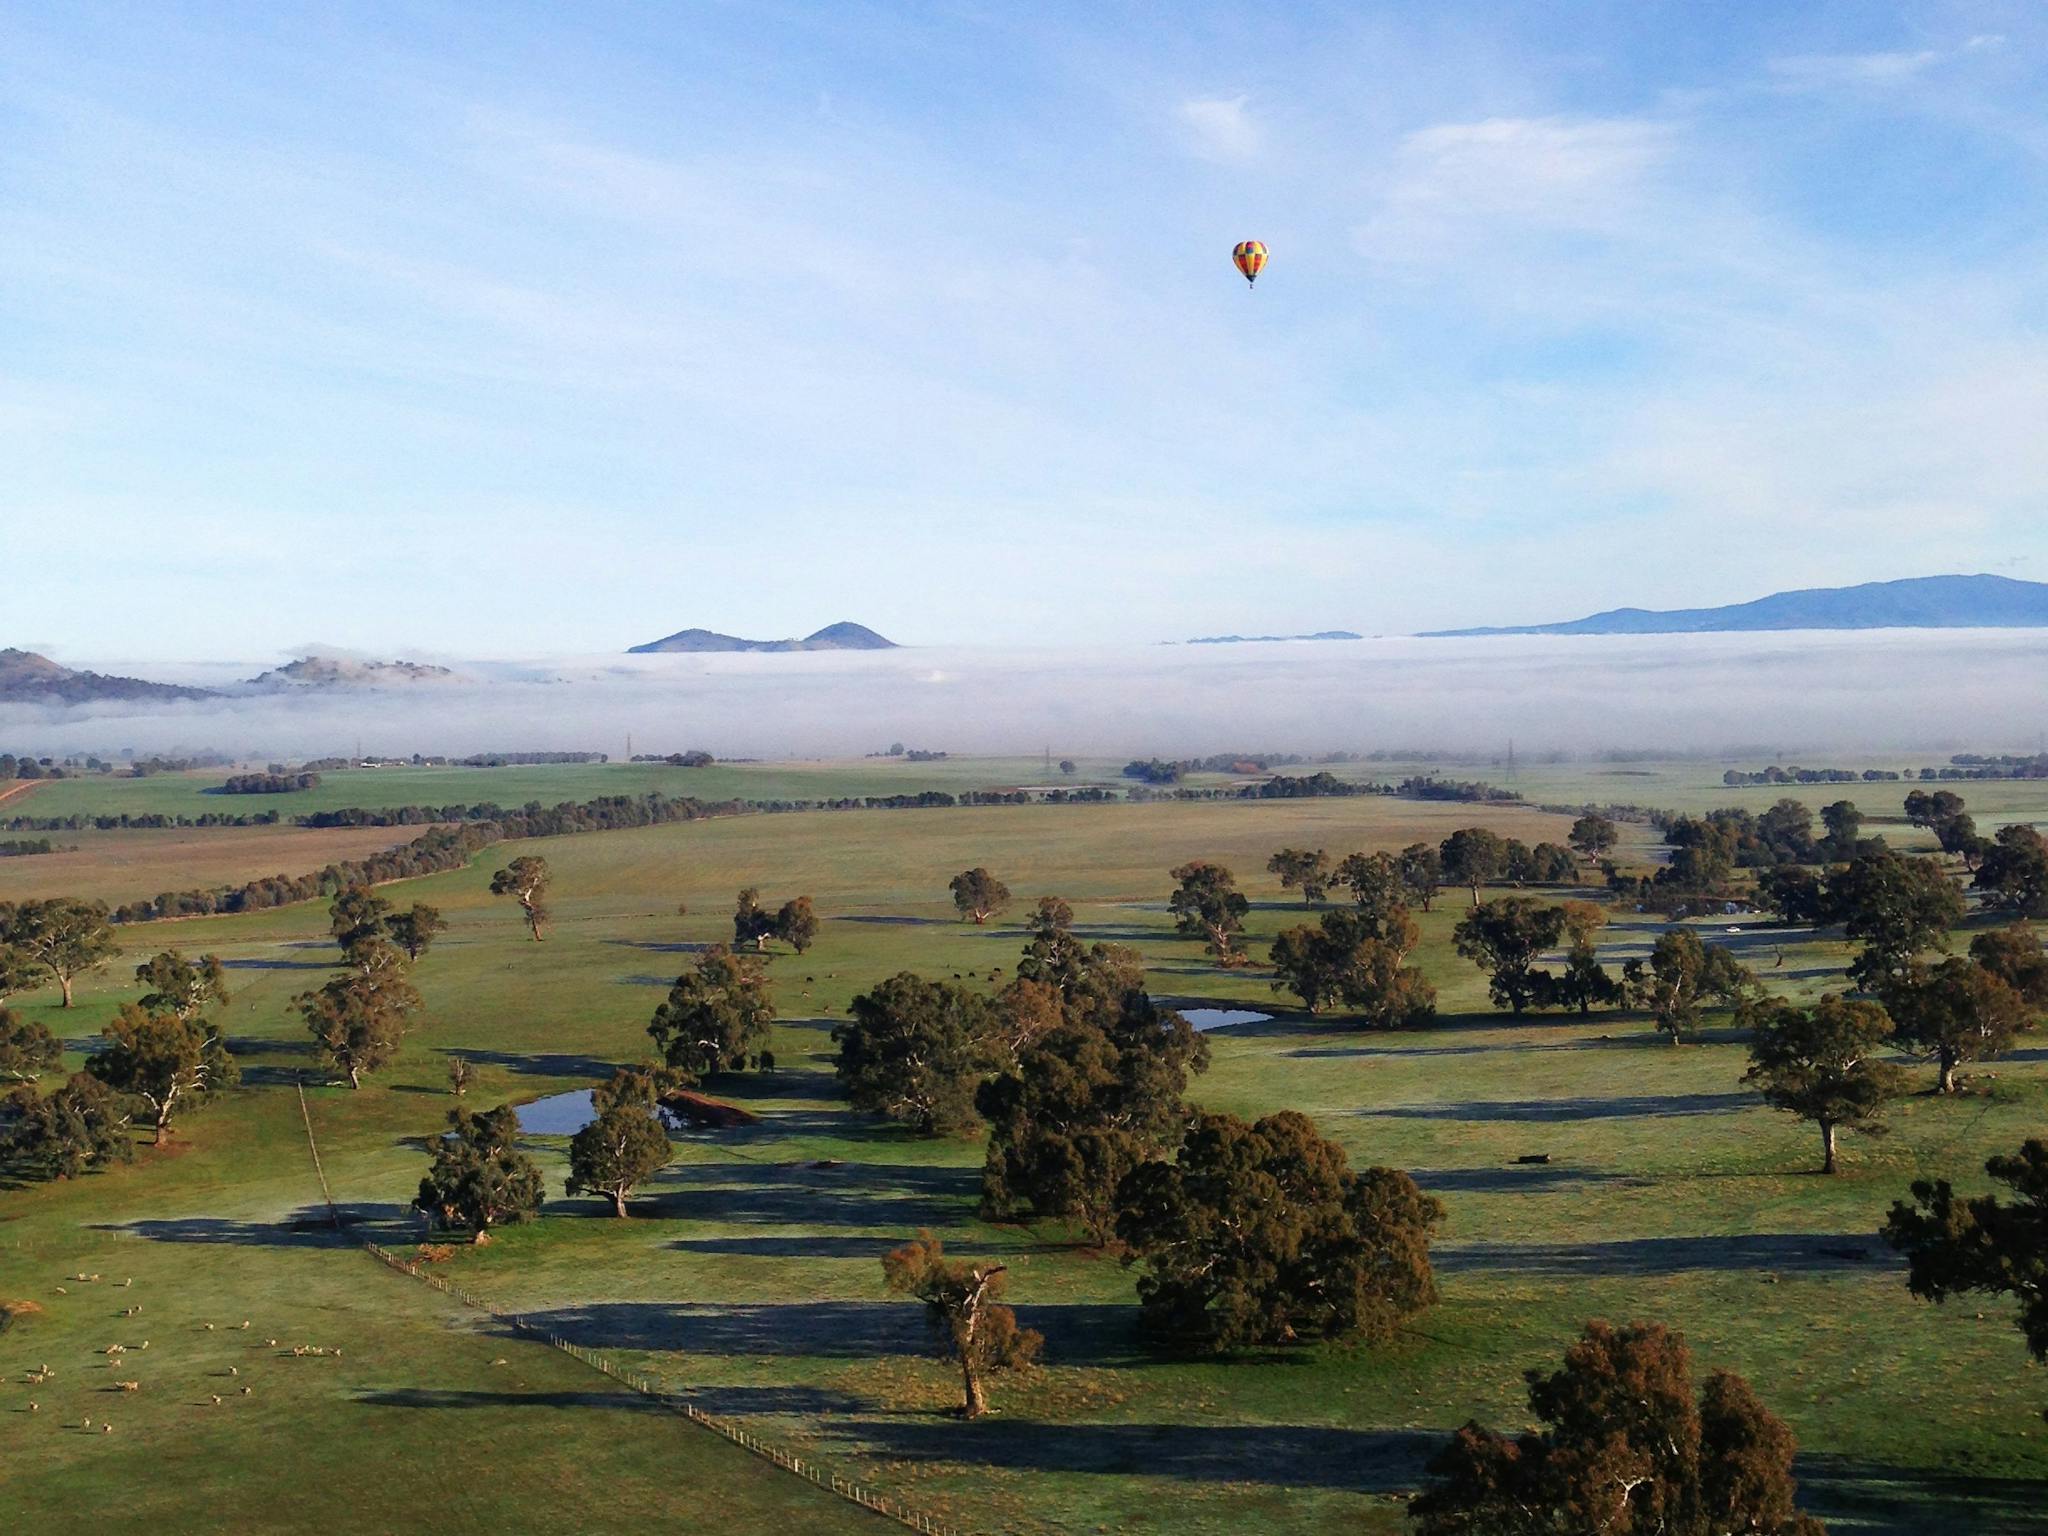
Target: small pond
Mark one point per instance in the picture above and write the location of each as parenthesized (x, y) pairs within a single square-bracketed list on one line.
[(1222, 1018), (559, 1114)]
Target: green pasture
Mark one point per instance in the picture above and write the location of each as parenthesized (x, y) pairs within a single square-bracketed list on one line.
[(749, 1276), (198, 794)]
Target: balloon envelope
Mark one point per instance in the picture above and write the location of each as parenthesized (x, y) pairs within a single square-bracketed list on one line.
[(1250, 257)]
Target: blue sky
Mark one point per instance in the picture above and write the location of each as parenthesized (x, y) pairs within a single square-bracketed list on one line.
[(519, 329)]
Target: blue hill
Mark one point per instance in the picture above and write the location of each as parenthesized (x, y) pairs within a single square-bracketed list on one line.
[(1920, 602)]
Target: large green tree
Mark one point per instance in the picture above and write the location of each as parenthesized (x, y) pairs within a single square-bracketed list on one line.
[(358, 916), (1954, 1012), (914, 1051), (1625, 1450), (415, 929), (181, 986), (718, 1012), (1503, 938), (1822, 1064), (796, 923), (83, 1126), (1356, 959), (2013, 871), (1898, 906), (1302, 869), (526, 880), (1422, 873), (172, 1064), (1089, 1098), (27, 1049), (978, 895), (1262, 1234), (963, 1303), (479, 1178), (1684, 974), (1054, 954), (358, 1019), (1207, 905), (63, 936), (624, 1147), (2014, 955), (1472, 856), (1983, 1244), (1593, 836)]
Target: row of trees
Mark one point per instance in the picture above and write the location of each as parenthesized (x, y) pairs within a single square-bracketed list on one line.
[(359, 1018)]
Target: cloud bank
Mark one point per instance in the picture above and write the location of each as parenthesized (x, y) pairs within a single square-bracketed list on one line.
[(1789, 694)]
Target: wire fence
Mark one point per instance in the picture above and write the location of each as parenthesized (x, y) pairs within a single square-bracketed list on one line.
[(831, 1482)]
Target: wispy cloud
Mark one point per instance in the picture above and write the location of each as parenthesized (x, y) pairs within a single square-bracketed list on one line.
[(1221, 128), (1874, 69), (1557, 172)]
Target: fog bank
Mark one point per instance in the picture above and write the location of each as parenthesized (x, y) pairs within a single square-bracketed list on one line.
[(1790, 695)]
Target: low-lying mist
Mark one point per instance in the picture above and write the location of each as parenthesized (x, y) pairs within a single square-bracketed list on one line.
[(1786, 694)]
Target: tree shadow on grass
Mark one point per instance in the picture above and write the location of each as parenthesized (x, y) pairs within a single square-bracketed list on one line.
[(735, 1402), (308, 1227), (1289, 1455), (658, 948), (280, 965), (1776, 1252), (622, 1400), (1633, 1041), (1514, 1180), (1076, 1334), (896, 1197), (1870, 1499), (1622, 1107), (264, 1075), (537, 1063), (807, 1247)]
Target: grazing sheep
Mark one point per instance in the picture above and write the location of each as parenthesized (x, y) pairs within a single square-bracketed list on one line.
[(234, 1371), (143, 1345), (245, 1322), (216, 1398), (34, 1407), (106, 1429), (62, 1292), (129, 1386), (271, 1342), (209, 1327), (245, 1391), (128, 1282)]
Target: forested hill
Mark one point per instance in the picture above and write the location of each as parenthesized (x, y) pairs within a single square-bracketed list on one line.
[(1921, 602), (26, 677)]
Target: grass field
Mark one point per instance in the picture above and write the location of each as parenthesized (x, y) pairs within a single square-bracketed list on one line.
[(126, 865), (198, 794), (749, 1277)]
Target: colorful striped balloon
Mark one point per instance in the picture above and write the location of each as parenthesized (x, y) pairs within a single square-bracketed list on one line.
[(1250, 257)]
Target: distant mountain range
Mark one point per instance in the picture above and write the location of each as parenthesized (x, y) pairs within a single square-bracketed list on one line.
[(26, 678), (1920, 602), (833, 637), (1321, 634)]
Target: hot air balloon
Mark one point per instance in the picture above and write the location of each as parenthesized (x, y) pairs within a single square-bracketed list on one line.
[(1250, 257)]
